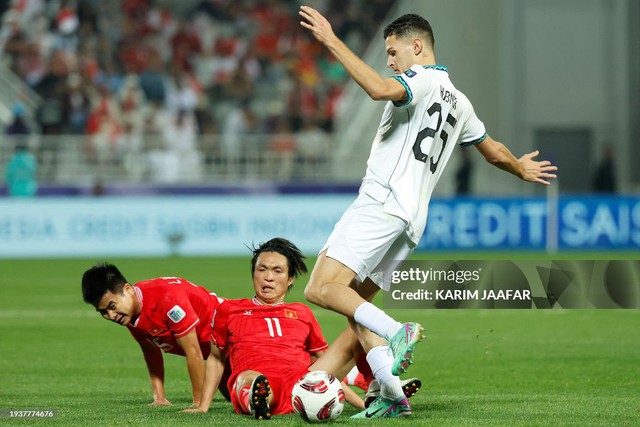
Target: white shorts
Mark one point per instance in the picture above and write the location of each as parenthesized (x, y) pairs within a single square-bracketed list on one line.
[(369, 241)]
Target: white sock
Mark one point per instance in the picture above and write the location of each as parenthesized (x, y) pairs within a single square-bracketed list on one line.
[(376, 320), (351, 376), (380, 360)]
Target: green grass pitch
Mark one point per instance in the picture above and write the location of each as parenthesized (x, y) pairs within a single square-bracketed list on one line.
[(478, 367)]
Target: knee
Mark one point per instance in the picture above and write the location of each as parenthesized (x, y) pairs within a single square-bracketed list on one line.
[(314, 292), (244, 379)]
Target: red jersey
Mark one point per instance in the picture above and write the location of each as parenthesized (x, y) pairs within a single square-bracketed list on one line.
[(275, 340), (171, 308)]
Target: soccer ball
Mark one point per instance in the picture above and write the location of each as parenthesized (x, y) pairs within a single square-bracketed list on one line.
[(318, 397)]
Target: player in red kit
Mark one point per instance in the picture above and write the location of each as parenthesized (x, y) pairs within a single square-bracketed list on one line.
[(167, 314), (292, 335), (269, 343)]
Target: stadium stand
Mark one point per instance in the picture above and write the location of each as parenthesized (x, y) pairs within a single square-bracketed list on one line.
[(131, 91)]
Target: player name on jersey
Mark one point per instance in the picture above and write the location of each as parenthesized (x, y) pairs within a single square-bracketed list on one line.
[(448, 96)]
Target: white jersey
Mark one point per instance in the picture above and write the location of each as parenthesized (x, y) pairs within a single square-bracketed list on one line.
[(414, 143)]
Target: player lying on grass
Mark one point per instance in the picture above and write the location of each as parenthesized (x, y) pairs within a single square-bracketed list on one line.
[(424, 117), (269, 343), (167, 314)]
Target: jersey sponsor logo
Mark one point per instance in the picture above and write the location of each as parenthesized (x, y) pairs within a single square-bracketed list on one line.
[(176, 314), (290, 314), (248, 313), (410, 73)]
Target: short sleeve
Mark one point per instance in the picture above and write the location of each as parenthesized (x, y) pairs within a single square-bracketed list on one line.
[(416, 83), (219, 325), (473, 131), (178, 315), (315, 340)]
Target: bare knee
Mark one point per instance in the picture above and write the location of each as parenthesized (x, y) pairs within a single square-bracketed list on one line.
[(315, 292), (245, 378), (327, 279)]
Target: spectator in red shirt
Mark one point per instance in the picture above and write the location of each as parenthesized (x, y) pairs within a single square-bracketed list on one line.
[(185, 44)]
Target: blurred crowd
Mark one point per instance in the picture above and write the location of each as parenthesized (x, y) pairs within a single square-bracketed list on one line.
[(119, 71)]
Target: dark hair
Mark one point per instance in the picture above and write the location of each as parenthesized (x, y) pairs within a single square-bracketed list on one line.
[(295, 259), (410, 24), (99, 279)]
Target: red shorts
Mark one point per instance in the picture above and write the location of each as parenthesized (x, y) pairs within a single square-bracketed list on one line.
[(281, 386)]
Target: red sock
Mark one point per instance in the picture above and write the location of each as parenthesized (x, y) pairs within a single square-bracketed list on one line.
[(364, 368), (244, 399)]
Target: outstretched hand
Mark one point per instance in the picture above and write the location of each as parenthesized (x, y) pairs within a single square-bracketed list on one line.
[(317, 24), (537, 171)]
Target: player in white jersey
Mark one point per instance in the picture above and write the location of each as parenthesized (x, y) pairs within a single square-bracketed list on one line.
[(425, 116), (415, 141)]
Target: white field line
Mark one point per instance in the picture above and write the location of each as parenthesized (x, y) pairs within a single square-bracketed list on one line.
[(41, 314)]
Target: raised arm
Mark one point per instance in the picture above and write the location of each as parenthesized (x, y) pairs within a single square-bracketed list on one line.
[(155, 366), (524, 168), (377, 87)]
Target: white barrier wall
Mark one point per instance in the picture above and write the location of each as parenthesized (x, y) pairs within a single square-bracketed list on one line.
[(134, 226), (223, 225)]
